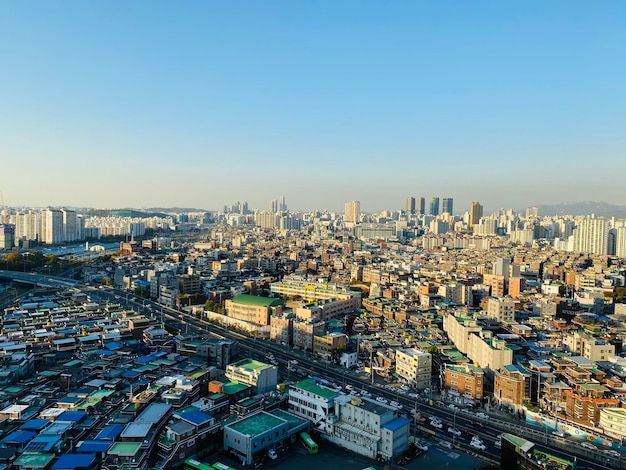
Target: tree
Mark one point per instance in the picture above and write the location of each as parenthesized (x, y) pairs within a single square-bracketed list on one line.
[(335, 354)]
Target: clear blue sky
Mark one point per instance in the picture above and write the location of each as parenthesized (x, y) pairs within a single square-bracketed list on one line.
[(201, 104)]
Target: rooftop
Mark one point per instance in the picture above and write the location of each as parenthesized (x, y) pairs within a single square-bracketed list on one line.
[(256, 301), (256, 424), (309, 385)]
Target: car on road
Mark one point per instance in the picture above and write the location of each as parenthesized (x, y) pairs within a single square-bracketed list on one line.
[(612, 453), (588, 445), (478, 445), (436, 424), (445, 444), (477, 439), (382, 400), (452, 406), (454, 431), (413, 395), (396, 405), (498, 444), (482, 415), (271, 453), (421, 446)]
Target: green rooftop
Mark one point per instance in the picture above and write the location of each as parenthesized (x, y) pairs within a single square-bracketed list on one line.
[(256, 301), (231, 388), (249, 365), (124, 449), (34, 460), (256, 424), (309, 385)]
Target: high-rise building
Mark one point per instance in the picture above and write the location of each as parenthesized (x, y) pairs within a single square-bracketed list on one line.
[(475, 213), (434, 206), (410, 206), (70, 227), (447, 205), (421, 206), (591, 235), (51, 226), (7, 236), (352, 212)]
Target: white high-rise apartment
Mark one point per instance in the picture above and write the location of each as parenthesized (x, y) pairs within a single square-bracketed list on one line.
[(352, 212), (620, 242), (70, 225), (51, 226), (591, 235)]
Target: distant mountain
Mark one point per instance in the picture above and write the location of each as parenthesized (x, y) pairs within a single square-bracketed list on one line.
[(124, 213), (600, 209), (175, 209)]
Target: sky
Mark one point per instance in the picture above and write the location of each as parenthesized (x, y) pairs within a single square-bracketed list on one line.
[(201, 104)]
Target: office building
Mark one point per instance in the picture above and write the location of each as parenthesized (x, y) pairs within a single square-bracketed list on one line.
[(352, 212), (434, 206), (447, 205), (421, 206), (475, 213), (410, 206), (7, 236)]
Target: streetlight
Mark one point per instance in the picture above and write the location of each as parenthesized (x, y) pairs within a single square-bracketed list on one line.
[(454, 427)]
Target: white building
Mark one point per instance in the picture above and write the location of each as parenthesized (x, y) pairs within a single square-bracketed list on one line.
[(312, 401), (369, 428), (248, 371), (414, 367)]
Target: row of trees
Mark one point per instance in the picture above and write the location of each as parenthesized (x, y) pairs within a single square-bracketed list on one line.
[(29, 262)]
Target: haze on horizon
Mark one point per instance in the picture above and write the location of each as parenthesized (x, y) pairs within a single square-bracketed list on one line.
[(201, 104)]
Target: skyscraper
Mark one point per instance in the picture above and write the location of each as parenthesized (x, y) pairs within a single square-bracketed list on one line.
[(475, 213), (434, 206), (410, 206), (447, 205), (352, 212), (421, 206)]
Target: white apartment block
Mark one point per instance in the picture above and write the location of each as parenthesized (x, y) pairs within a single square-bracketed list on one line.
[(313, 402), (613, 422), (369, 428), (501, 309), (247, 371), (328, 309), (414, 367), (477, 344), (588, 346), (312, 291), (591, 235)]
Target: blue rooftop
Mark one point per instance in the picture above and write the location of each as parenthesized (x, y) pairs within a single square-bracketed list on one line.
[(75, 416), (18, 437), (35, 424), (94, 446), (195, 416), (110, 432), (73, 461), (42, 444), (396, 424), (130, 373)]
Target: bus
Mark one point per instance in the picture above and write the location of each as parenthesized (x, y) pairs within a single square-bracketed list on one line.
[(193, 464), (308, 443), (221, 466)]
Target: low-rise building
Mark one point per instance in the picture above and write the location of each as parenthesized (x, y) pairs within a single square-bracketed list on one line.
[(257, 374), (414, 367), (464, 379), (253, 309)]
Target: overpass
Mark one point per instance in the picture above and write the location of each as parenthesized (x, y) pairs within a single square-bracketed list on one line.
[(37, 279)]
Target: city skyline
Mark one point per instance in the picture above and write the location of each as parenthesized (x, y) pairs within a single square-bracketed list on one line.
[(207, 103)]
